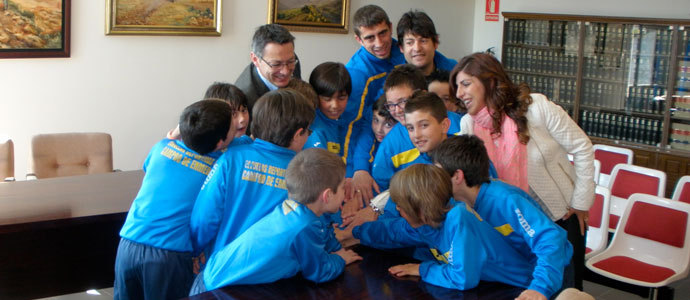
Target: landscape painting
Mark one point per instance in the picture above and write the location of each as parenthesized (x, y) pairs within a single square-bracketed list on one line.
[(163, 17), (34, 28), (310, 15)]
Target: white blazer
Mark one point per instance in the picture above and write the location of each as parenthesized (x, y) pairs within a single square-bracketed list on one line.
[(553, 135)]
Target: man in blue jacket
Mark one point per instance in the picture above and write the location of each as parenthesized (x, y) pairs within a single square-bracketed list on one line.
[(419, 41)]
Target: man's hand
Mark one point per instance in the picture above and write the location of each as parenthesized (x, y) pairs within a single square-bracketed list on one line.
[(348, 255), (531, 295), (364, 183), (362, 216), (582, 217), (404, 270)]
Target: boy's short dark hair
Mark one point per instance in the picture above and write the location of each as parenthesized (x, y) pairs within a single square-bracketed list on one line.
[(305, 89), (228, 92), (204, 123), (312, 171), (406, 74), (422, 191), (417, 23), (329, 78), (438, 75), (369, 15), (428, 102), (466, 153), (380, 108), (277, 115), (270, 33)]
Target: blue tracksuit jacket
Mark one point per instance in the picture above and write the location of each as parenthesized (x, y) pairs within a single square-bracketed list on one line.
[(243, 187), (467, 249), (290, 239), (326, 134), (528, 230)]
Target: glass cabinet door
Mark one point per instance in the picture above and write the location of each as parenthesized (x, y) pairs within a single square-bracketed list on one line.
[(624, 79), (543, 54), (679, 137)]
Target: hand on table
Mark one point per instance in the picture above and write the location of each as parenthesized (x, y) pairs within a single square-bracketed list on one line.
[(404, 270), (531, 295), (348, 255)]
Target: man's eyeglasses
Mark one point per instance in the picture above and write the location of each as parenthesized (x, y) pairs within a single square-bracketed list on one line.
[(391, 106), (279, 65)]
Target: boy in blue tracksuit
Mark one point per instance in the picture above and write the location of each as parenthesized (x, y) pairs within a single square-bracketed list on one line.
[(332, 85), (509, 210), (247, 185), (154, 258), (466, 249), (368, 69), (381, 124), (292, 237)]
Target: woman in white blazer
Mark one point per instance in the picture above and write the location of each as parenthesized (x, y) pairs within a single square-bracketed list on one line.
[(528, 138)]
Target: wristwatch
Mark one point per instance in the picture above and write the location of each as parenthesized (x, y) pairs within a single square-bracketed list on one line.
[(379, 202)]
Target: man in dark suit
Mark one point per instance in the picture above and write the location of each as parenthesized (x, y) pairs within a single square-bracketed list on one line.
[(273, 63)]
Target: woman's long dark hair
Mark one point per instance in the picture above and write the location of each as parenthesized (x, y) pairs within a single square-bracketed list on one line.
[(502, 96)]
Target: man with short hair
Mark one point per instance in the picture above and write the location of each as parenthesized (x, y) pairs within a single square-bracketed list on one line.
[(368, 68), (419, 41), (273, 63)]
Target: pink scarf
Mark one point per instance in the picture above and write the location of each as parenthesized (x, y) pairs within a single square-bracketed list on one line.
[(505, 151)]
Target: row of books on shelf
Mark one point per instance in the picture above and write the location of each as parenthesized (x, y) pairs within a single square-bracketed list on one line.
[(617, 67), (542, 33), (681, 107), (680, 136), (545, 61), (641, 99), (617, 38), (683, 81), (685, 43), (557, 89), (621, 127)]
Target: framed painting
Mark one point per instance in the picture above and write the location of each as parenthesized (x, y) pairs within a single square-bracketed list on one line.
[(34, 28), (310, 15), (163, 17)]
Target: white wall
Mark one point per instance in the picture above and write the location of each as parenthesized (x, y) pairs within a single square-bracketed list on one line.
[(134, 87), (489, 34)]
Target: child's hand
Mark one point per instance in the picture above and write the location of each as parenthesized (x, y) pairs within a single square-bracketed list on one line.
[(350, 207), (348, 255), (531, 295), (404, 270), (197, 262), (364, 183), (362, 216), (342, 234)]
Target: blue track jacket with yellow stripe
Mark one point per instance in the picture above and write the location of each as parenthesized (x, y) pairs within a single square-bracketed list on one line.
[(528, 230), (325, 134), (466, 249), (243, 187), (290, 239)]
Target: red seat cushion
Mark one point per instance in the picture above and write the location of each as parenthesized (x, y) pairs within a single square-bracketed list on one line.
[(657, 223), (634, 269), (595, 211), (685, 193), (613, 221), (627, 183), (609, 160), (588, 250)]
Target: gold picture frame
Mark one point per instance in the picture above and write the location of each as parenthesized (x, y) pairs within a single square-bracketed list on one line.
[(330, 16), (163, 17)]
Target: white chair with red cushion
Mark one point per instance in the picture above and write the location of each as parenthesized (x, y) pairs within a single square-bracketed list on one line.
[(682, 191), (598, 223), (629, 179), (610, 156), (597, 168), (650, 247)]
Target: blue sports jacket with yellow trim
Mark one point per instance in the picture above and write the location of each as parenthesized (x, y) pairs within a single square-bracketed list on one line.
[(290, 239), (244, 186), (367, 73), (397, 152), (325, 134), (467, 249), (528, 230), (159, 216)]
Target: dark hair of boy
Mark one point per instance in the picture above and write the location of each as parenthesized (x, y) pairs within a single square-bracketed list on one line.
[(204, 123), (369, 15), (228, 92), (270, 33), (417, 23), (312, 171), (438, 75), (329, 78), (428, 102), (466, 153), (380, 109), (422, 191), (277, 115), (305, 89), (406, 74)]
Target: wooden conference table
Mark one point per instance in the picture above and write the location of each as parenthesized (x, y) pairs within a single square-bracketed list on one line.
[(366, 279), (60, 235)]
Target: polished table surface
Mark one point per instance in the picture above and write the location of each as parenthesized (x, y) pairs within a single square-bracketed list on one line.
[(60, 235), (366, 279)]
